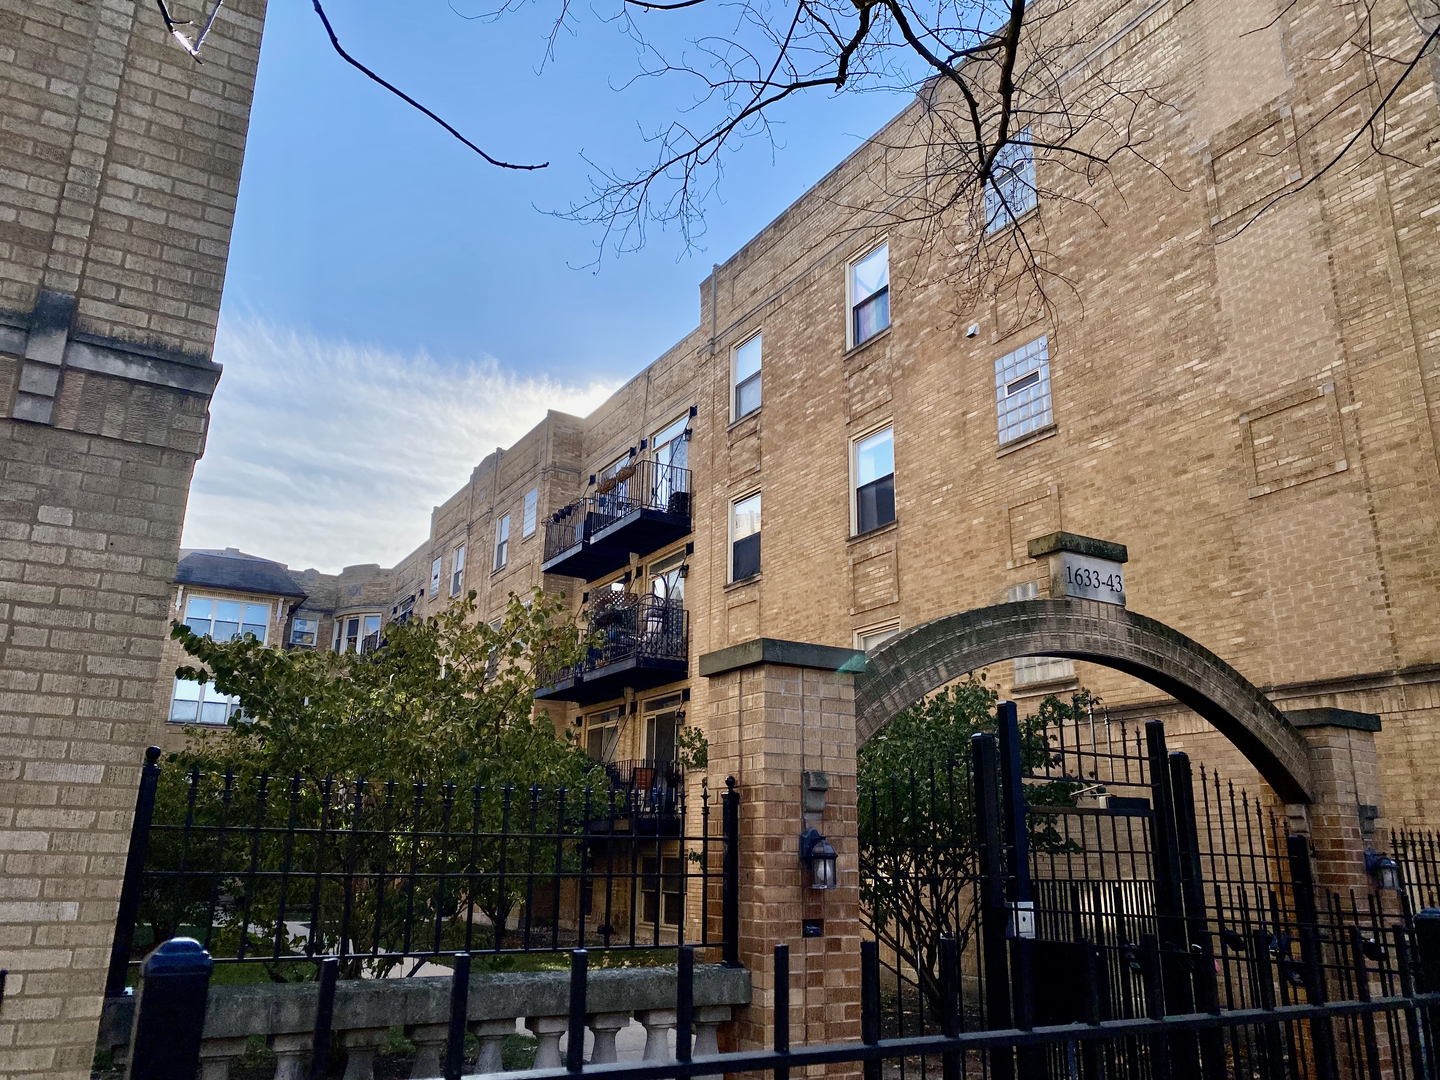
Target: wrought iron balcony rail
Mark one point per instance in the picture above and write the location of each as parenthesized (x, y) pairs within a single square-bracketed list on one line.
[(645, 497), (640, 643)]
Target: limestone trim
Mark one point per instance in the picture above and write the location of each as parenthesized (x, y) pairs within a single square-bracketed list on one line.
[(922, 659)]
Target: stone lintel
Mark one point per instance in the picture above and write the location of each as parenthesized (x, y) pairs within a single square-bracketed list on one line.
[(775, 651), (1331, 717), (1080, 545)]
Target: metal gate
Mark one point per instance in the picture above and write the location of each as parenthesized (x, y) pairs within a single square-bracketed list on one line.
[(1106, 879)]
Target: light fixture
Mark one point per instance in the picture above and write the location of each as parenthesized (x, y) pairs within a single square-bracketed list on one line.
[(819, 855), (1383, 869)]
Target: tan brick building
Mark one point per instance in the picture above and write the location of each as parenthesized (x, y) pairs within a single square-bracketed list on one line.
[(119, 166), (1249, 412)]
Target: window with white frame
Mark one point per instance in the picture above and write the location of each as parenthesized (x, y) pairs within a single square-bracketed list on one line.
[(602, 734), (873, 467), (745, 359), (224, 620), (1022, 391), (457, 570), (1011, 190), (745, 537), (532, 507), (304, 631), (1037, 669), (875, 636), (502, 542), (435, 576), (671, 446), (196, 703), (869, 295), (357, 633)]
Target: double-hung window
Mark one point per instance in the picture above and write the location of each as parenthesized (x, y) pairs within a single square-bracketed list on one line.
[(532, 505), (1011, 190), (435, 577), (869, 295), (745, 537), (1022, 391), (602, 735), (457, 570), (746, 361), (502, 542), (224, 620), (874, 472)]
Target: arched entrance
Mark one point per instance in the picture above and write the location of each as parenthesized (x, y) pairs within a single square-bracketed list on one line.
[(914, 663)]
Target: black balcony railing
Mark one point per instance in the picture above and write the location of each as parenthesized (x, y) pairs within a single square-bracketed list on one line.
[(639, 507), (638, 643)]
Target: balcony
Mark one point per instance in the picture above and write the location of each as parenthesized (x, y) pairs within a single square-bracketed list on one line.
[(642, 506), (644, 798), (642, 644)]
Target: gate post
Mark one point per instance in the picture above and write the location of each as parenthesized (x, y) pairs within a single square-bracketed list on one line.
[(1302, 884), (773, 712), (1174, 958), (1020, 894), (993, 916)]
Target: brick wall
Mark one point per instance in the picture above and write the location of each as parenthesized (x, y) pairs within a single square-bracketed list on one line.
[(121, 164)]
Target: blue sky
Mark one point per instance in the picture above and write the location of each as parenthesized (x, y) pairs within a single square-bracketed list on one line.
[(393, 303)]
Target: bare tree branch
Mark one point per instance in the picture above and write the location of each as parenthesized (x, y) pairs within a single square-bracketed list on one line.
[(411, 101)]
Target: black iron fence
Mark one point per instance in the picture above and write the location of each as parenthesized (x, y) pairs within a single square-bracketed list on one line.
[(287, 871), (1155, 1045), (1087, 874), (1417, 855)]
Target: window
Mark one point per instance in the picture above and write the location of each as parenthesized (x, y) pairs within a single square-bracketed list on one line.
[(1037, 669), (657, 889), (435, 577), (369, 633), (745, 537), (351, 642), (869, 295), (457, 570), (1011, 191), (502, 542), (1022, 391), (667, 578), (224, 620), (304, 631), (662, 721), (532, 506), (612, 487), (602, 735), (746, 361), (875, 636), (874, 471), (672, 460), (192, 703)]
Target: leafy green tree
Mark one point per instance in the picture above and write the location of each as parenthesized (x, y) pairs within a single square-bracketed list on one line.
[(401, 767), (918, 858)]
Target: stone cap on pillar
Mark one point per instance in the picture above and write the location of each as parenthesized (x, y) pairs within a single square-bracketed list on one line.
[(1332, 717), (1080, 545), (774, 651)]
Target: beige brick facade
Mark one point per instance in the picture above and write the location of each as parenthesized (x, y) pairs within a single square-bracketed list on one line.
[(1250, 414), (119, 165)]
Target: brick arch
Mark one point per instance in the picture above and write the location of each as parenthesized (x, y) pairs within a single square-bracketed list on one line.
[(912, 664)]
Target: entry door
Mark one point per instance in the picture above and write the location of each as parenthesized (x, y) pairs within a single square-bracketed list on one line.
[(672, 455)]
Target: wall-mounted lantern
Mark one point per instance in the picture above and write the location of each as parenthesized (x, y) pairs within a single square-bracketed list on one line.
[(1383, 870), (819, 855)]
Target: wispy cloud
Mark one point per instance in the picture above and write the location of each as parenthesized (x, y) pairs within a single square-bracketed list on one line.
[(328, 453)]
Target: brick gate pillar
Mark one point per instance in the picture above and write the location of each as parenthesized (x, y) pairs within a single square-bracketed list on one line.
[(1344, 819), (780, 714)]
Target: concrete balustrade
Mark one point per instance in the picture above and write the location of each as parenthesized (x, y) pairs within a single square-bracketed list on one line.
[(366, 1010)]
